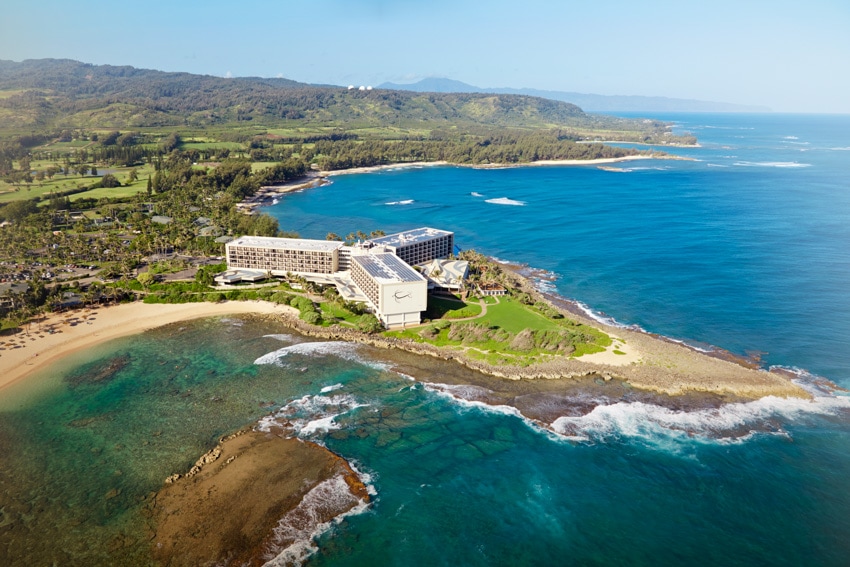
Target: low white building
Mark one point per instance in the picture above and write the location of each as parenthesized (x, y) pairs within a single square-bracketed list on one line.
[(397, 293)]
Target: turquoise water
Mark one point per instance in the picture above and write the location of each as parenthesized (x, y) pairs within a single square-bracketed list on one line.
[(745, 249)]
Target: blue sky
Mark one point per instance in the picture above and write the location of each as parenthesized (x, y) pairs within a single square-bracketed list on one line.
[(790, 56)]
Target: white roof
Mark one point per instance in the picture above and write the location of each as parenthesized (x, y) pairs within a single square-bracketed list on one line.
[(387, 268), (410, 236), (286, 243)]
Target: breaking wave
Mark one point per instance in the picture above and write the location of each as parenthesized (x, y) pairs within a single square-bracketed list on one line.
[(294, 537), (505, 201), (405, 202), (310, 415), (347, 351), (665, 428), (780, 164)]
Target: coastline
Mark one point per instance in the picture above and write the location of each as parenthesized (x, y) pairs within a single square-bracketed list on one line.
[(75, 331), (651, 363), (313, 179)]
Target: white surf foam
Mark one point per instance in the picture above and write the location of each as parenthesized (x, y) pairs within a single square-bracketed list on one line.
[(280, 337), (604, 319), (464, 396), (780, 164), (505, 201), (294, 539), (327, 389), (405, 202), (347, 351), (474, 194), (790, 138), (310, 415), (665, 428)]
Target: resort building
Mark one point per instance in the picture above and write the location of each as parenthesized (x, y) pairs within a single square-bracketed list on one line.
[(397, 293), (417, 246), (280, 256), (377, 272)]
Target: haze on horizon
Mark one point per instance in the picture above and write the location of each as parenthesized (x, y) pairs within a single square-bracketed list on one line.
[(781, 54)]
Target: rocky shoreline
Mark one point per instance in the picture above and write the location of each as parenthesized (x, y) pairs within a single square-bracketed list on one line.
[(226, 509), (686, 371)]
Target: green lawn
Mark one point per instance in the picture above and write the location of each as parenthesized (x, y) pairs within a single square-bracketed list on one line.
[(498, 329), (446, 308), (111, 192), (61, 183), (335, 311), (514, 317)]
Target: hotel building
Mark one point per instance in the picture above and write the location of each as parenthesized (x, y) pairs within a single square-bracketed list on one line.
[(283, 255), (397, 293), (418, 246), (379, 270)]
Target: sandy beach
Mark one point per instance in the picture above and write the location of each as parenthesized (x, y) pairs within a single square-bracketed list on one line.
[(600, 161), (645, 362), (25, 353)]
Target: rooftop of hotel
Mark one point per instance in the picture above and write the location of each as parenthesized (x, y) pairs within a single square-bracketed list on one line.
[(286, 243), (409, 236), (387, 268)]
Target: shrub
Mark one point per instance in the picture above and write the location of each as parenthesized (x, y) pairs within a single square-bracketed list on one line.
[(312, 317), (281, 297), (368, 323), (301, 303)]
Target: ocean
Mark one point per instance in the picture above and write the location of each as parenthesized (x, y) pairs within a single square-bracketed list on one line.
[(743, 246)]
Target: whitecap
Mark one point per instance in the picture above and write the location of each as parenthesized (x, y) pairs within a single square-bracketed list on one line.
[(328, 389), (781, 164), (405, 202), (505, 201), (294, 539), (841, 149), (790, 138), (474, 194)]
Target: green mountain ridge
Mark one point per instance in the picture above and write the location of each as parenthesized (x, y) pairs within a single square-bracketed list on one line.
[(60, 93)]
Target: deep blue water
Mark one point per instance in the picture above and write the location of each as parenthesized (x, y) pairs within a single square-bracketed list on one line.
[(746, 249)]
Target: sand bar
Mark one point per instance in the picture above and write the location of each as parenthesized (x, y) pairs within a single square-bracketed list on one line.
[(77, 330)]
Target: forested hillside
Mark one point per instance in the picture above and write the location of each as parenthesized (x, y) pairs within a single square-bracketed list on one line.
[(57, 94)]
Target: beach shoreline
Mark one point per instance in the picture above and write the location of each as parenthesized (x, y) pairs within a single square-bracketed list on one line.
[(268, 193), (75, 331), (650, 363)]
